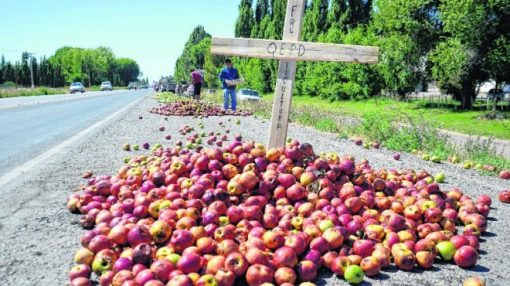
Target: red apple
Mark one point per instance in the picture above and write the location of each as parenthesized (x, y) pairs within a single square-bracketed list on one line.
[(370, 266), (189, 262), (339, 265), (285, 257), (236, 263), (466, 256), (425, 259), (225, 277), (306, 270), (80, 270), (258, 274), (285, 275)]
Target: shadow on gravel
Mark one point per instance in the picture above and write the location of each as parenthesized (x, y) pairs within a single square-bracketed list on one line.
[(420, 270), (492, 219), (326, 274), (488, 234), (381, 276), (479, 268)]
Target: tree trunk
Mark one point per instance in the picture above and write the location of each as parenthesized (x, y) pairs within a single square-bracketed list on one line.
[(495, 99), (468, 94)]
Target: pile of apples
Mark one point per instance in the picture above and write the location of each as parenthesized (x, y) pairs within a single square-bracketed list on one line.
[(188, 107), (243, 214)]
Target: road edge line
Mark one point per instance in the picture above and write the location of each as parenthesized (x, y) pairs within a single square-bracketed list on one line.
[(27, 166)]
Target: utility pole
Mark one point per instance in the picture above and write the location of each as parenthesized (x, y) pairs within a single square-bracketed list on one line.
[(31, 70)]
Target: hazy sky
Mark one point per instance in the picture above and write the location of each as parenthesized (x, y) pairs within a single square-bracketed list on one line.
[(152, 32)]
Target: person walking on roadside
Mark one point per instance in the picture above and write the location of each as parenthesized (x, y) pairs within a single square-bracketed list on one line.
[(229, 72), (196, 80)]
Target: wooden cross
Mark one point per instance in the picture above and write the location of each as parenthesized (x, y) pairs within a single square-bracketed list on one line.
[(289, 51)]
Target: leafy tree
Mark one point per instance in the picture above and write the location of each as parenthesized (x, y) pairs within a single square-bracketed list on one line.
[(343, 80), (245, 21), (69, 60), (197, 35), (278, 11), (315, 20), (460, 60), (261, 10), (499, 61), (2, 69), (359, 12), (24, 72), (9, 72), (127, 69), (193, 55), (408, 30), (337, 16)]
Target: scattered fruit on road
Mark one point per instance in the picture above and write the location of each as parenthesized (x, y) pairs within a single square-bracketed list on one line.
[(440, 177), (474, 281), (195, 215), (186, 107), (504, 196)]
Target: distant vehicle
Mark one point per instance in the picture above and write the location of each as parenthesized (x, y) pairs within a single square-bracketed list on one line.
[(132, 85), (106, 85), (506, 88), (76, 87), (167, 86), (144, 86), (248, 94), (495, 94)]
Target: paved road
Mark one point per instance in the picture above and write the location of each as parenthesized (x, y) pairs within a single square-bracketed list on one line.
[(32, 125)]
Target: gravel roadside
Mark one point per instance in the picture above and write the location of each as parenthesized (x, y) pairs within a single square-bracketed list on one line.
[(39, 236)]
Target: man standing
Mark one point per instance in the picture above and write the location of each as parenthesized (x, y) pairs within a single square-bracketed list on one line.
[(196, 80), (229, 73)]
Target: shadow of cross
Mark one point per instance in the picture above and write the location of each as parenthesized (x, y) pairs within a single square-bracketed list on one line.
[(289, 50)]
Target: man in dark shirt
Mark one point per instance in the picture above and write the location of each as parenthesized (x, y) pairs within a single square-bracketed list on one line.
[(229, 91)]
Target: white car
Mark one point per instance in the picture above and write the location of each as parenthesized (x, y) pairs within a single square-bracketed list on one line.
[(248, 94), (106, 85), (76, 87)]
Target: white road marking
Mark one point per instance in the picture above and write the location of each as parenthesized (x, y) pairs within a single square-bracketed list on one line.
[(54, 150)]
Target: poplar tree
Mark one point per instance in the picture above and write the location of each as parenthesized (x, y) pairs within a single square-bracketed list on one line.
[(261, 10), (245, 20)]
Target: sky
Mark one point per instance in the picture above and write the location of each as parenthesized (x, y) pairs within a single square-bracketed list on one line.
[(152, 32)]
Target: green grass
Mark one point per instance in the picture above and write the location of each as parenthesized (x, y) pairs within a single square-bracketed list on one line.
[(398, 126), (467, 122), (13, 92)]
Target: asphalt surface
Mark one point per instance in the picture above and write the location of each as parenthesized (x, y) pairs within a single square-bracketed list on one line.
[(31, 125), (38, 236)]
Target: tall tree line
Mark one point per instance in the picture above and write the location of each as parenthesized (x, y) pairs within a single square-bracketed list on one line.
[(457, 44), (69, 64)]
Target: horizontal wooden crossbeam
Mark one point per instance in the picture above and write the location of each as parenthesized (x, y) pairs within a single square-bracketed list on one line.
[(294, 51)]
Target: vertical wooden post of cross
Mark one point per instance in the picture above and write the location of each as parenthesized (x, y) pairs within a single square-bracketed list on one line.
[(286, 76)]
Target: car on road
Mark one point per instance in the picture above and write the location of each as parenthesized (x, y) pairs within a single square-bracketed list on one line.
[(132, 85), (248, 94), (495, 94), (166, 86), (106, 85), (76, 87)]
